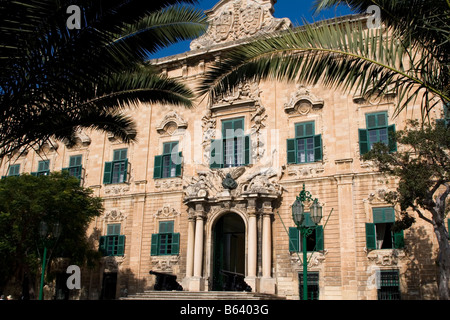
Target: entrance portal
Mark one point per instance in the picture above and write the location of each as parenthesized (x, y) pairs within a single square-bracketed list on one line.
[(229, 253)]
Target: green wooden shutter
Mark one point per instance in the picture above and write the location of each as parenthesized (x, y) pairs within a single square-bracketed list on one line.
[(175, 243), (247, 150), (154, 245), (291, 151), (399, 240), (319, 238), (178, 165), (216, 161), (294, 240), (102, 245), (371, 236), (125, 170), (383, 215), (107, 175), (157, 169), (371, 120), (448, 227), (121, 245), (363, 141), (318, 147), (392, 139)]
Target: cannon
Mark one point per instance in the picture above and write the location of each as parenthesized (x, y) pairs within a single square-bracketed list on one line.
[(166, 282)]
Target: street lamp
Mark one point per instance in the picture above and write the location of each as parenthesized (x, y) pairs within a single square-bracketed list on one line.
[(47, 240), (306, 227)]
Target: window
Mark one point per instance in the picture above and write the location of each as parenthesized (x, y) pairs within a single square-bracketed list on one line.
[(389, 285), (379, 234), (377, 131), (314, 242), (306, 146), (168, 164), (116, 171), (445, 121), (14, 170), (113, 244), (75, 168), (43, 168), (312, 279), (166, 242), (233, 150)]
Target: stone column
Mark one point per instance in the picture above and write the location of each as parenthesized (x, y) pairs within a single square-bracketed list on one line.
[(267, 283), (190, 246), (197, 282), (252, 251)]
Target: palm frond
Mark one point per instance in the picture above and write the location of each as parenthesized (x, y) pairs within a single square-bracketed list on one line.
[(53, 79), (345, 55)]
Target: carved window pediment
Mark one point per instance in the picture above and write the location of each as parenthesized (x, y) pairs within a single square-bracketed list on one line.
[(302, 102), (171, 123)]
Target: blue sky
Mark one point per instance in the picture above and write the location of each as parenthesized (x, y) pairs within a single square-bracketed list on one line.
[(296, 10)]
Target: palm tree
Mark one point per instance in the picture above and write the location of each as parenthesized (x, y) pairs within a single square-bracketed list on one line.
[(409, 55), (56, 80)]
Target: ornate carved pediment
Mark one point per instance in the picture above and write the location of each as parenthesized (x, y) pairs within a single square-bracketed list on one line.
[(303, 102), (81, 138), (210, 183), (232, 20), (241, 95), (166, 212), (114, 216), (171, 123)]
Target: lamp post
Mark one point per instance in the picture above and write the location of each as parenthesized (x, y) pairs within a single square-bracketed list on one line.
[(305, 227), (46, 240)]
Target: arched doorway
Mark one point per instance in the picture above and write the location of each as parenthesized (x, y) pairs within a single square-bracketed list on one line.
[(229, 253)]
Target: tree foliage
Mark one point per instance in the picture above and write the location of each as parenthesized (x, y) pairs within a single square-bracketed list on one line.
[(55, 80), (422, 168), (27, 200)]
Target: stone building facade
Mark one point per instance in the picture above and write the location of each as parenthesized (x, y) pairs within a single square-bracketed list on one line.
[(173, 206)]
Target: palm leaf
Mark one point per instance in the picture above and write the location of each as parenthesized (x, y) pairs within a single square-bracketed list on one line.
[(342, 55), (57, 80)]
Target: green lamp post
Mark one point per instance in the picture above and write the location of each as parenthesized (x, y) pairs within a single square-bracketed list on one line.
[(47, 239), (306, 227)]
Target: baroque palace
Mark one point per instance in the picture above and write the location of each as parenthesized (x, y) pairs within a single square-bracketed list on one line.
[(206, 193)]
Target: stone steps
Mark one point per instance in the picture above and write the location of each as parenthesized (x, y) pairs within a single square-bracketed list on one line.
[(201, 295)]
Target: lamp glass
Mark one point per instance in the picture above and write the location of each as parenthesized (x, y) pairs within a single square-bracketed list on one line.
[(297, 212), (316, 212), (56, 230), (43, 228)]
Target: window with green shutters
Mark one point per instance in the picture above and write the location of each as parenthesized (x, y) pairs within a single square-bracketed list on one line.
[(377, 131), (379, 234), (113, 244), (166, 242), (43, 168), (306, 147), (169, 164), (14, 170), (117, 170), (314, 242), (233, 150), (75, 167)]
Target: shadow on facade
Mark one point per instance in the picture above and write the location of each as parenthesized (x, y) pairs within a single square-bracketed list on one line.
[(421, 270)]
